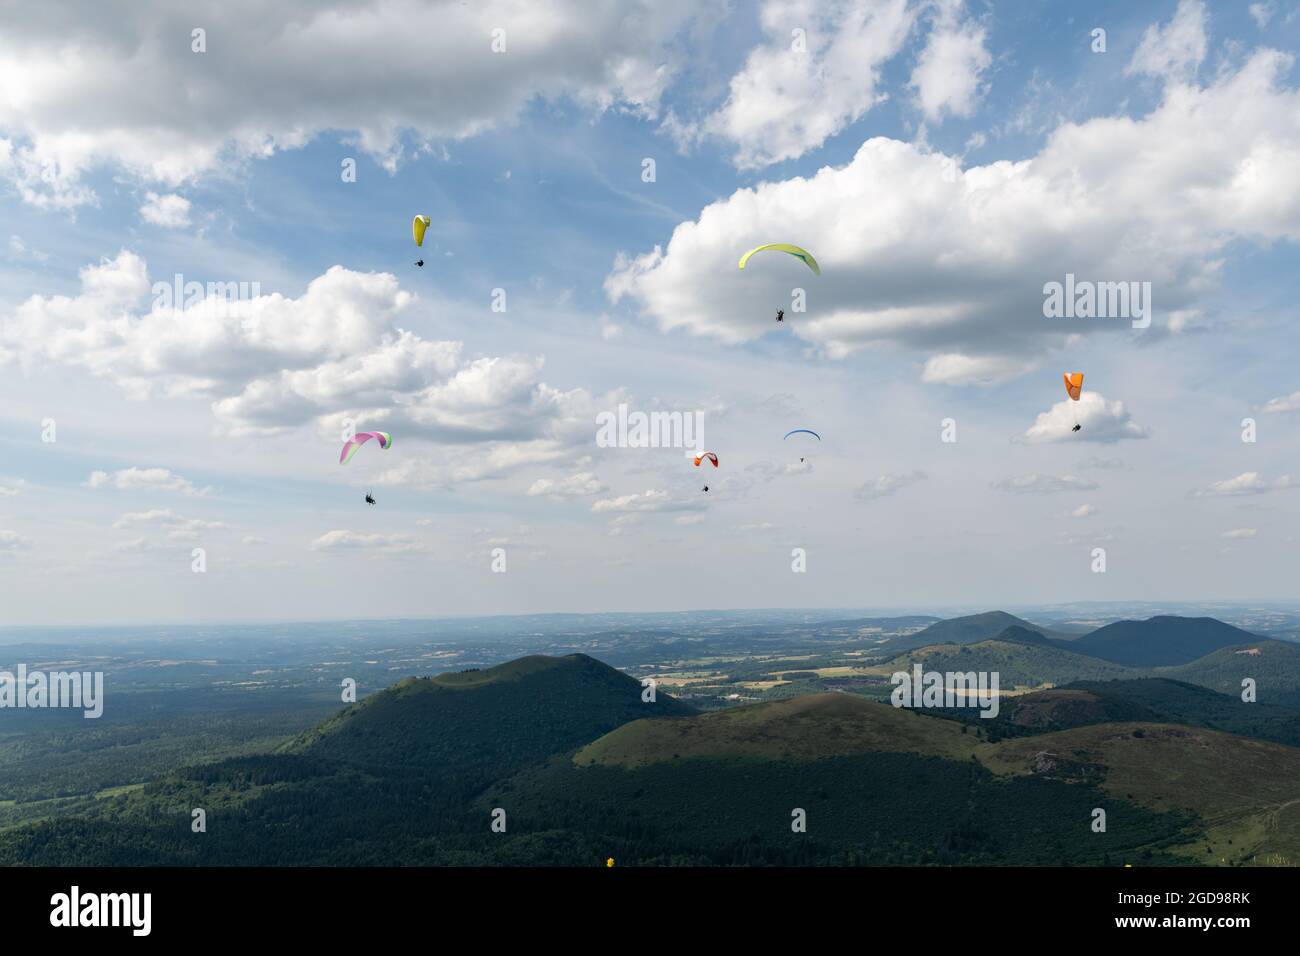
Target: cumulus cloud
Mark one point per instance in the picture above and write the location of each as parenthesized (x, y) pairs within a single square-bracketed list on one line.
[(1241, 533), (270, 363), (1101, 421), (947, 74), (1247, 483), (1036, 484), (580, 485), (785, 101), (171, 211), (343, 540), (1173, 50), (917, 251), (884, 485), (145, 479), (1083, 511), (121, 85)]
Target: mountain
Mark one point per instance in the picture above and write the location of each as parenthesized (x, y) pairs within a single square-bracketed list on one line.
[(1160, 641), (721, 788), (1274, 666), (802, 728), (1021, 658), (965, 630), (494, 718), (416, 774)]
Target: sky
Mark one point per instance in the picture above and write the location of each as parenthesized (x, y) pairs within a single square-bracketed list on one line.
[(592, 172)]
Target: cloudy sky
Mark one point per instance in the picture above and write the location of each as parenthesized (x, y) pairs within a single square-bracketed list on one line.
[(592, 172)]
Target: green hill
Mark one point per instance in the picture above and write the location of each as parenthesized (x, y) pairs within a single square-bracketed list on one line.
[(1018, 662), (1161, 641), (1273, 665), (803, 728), (495, 718), (965, 630)]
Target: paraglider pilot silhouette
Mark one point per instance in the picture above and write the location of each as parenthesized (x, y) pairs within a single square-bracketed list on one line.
[(369, 499), (780, 315)]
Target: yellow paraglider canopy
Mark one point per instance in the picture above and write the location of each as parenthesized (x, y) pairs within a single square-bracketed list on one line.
[(418, 225), (796, 251)]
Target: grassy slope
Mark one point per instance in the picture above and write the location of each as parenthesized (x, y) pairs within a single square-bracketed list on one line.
[(1243, 789)]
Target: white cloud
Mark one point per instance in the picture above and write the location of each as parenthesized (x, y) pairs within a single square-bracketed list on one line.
[(1036, 484), (145, 479), (884, 485), (122, 86), (919, 252), (1261, 13), (1281, 404), (271, 364), (1083, 511), (1247, 483), (783, 102), (13, 541), (170, 211), (1241, 533), (1175, 50), (342, 540), (18, 249), (956, 369), (178, 528), (947, 74), (575, 486), (1100, 421), (651, 500)]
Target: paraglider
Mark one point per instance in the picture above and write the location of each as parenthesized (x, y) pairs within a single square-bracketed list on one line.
[(360, 438), (780, 315), (710, 456), (369, 499), (803, 431), (706, 487), (795, 251), (418, 225), (1074, 388)]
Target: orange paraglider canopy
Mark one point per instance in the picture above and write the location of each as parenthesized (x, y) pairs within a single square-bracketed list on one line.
[(1073, 384), (709, 455)]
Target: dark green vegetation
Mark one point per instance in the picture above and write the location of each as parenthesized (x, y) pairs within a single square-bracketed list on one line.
[(1161, 641), (486, 719), (1186, 771), (967, 630)]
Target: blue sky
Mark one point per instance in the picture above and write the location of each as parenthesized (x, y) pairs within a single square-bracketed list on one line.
[(942, 159)]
